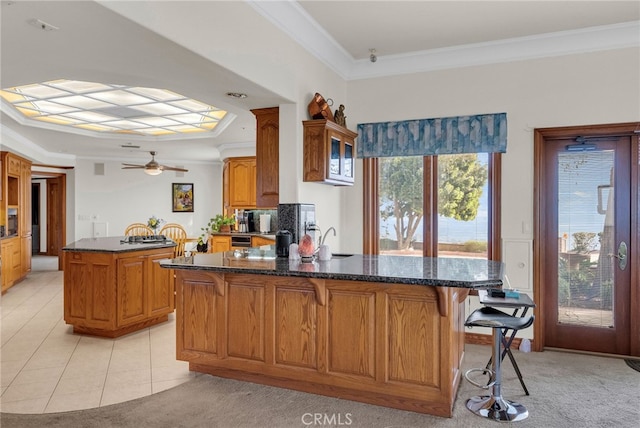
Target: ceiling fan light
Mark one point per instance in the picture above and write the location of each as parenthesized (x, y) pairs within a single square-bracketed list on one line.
[(153, 171)]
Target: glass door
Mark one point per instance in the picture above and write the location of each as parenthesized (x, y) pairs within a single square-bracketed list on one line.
[(587, 282)]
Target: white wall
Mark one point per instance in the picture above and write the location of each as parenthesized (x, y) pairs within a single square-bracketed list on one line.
[(121, 197), (582, 89)]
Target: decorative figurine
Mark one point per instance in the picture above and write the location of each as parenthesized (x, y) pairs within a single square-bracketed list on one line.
[(339, 116)]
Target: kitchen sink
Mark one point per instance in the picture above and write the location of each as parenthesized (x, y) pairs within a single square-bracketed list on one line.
[(340, 255)]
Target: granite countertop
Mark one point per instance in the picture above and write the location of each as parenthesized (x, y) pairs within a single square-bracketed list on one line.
[(114, 244), (268, 235), (444, 272)]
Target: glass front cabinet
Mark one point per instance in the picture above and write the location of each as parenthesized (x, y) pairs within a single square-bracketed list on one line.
[(329, 153)]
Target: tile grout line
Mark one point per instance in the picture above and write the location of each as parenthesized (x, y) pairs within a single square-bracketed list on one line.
[(61, 375), (36, 349), (106, 374)]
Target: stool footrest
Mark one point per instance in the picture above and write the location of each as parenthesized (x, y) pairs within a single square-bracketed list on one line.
[(484, 371)]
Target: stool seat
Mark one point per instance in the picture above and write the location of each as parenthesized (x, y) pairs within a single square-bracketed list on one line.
[(493, 318)]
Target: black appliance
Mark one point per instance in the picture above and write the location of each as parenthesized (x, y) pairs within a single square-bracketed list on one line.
[(283, 240), (298, 219), (248, 216)]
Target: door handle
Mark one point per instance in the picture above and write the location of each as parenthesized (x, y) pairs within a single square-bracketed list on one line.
[(621, 256)]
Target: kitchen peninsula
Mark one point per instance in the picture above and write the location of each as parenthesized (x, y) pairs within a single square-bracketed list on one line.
[(383, 330), (113, 287)]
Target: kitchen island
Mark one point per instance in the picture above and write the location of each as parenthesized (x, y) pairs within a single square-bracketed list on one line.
[(112, 287), (383, 330)]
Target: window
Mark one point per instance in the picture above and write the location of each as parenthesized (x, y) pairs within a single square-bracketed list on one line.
[(445, 205)]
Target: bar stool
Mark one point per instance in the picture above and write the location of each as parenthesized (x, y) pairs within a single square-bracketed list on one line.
[(494, 406)]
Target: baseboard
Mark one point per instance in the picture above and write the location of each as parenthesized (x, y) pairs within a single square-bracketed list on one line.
[(487, 339)]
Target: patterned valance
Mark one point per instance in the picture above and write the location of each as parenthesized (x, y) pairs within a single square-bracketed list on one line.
[(483, 133)]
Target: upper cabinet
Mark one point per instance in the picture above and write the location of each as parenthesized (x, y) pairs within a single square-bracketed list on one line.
[(267, 157), (239, 183), (329, 153)]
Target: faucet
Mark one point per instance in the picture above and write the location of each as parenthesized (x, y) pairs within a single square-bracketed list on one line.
[(325, 234)]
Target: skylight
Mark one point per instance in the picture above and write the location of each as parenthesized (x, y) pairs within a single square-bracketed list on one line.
[(113, 109)]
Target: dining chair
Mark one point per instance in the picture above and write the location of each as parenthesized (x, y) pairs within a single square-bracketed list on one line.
[(138, 229), (177, 234)]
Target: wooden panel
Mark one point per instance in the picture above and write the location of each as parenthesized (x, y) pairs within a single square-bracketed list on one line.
[(267, 157), (245, 322), (296, 319), (131, 291), (414, 340), (315, 156), (242, 182), (197, 324), (25, 263), (257, 241), (25, 201), (89, 290), (160, 285), (219, 243), (13, 165), (102, 293), (351, 326)]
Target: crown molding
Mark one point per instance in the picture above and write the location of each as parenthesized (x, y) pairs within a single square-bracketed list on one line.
[(294, 21)]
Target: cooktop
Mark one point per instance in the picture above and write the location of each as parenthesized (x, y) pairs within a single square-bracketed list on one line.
[(144, 239)]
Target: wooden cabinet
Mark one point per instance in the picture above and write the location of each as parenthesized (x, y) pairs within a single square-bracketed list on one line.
[(239, 183), (329, 153), (386, 344), (219, 243), (112, 294), (11, 262), (267, 157), (15, 215), (257, 241)]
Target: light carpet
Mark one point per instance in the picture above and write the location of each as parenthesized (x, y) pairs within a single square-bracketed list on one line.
[(567, 390)]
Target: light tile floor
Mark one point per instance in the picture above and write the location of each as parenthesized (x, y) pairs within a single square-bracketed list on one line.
[(46, 368)]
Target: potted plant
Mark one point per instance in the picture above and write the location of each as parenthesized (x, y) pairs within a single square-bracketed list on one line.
[(219, 223), (203, 244)]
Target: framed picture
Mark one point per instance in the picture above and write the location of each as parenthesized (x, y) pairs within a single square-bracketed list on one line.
[(182, 197)]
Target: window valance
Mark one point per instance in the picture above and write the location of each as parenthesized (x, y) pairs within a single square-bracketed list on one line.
[(483, 133)]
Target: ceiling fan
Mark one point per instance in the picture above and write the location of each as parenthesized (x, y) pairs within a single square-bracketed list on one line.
[(153, 167)]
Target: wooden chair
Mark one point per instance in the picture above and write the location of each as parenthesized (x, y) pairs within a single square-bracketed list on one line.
[(177, 234), (138, 229)]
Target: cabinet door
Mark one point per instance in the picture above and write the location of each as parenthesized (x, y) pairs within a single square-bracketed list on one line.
[(267, 157), (89, 290), (7, 263), (226, 202), (219, 243), (242, 183), (257, 241), (131, 293), (25, 264), (161, 286), (25, 199)]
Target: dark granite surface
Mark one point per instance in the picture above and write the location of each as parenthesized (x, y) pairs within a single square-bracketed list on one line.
[(445, 272), (114, 244)]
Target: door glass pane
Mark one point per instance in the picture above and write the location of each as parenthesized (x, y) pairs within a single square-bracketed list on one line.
[(400, 205), (463, 205), (348, 160), (334, 166), (586, 238)]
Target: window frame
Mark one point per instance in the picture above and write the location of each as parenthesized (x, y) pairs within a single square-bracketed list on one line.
[(371, 223)]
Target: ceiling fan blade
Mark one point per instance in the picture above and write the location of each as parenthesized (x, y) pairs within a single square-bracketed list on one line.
[(172, 168), (133, 165)]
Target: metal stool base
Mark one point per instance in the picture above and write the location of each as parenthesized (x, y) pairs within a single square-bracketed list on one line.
[(497, 408)]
